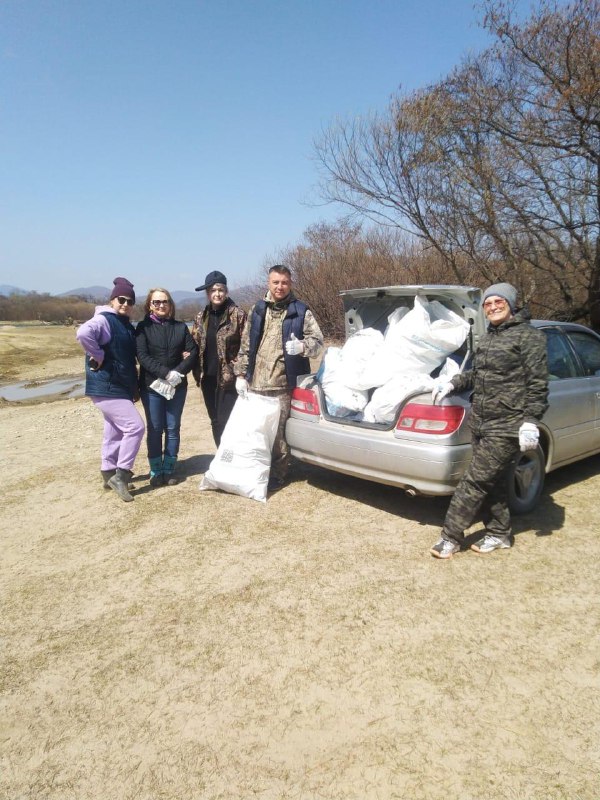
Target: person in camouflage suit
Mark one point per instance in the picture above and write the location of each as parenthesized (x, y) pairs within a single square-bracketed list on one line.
[(509, 381), (217, 330)]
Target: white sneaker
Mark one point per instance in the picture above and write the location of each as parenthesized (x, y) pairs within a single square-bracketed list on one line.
[(490, 543), (444, 549)]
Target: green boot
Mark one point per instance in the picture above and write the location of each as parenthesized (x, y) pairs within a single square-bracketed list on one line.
[(168, 466), (156, 471)]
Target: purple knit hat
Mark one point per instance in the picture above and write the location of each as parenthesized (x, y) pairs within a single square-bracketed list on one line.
[(122, 287)]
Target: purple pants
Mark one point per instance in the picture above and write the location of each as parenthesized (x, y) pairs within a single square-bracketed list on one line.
[(123, 432)]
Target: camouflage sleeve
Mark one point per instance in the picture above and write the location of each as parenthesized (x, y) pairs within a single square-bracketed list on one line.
[(197, 368), (242, 318), (463, 382), (313, 338), (195, 327), (240, 367), (535, 367)]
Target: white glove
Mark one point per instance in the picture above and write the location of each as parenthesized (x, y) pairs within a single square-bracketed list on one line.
[(241, 386), (529, 436), (440, 390), (163, 388), (174, 378), (294, 347)]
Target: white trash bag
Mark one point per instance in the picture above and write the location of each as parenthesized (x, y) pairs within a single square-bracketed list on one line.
[(385, 362), (421, 340), (449, 370), (386, 400), (243, 461), (342, 401), (357, 353)]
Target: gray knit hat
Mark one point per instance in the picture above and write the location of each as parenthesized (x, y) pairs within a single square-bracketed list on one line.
[(504, 290)]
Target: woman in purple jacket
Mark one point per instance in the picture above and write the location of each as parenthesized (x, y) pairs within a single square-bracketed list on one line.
[(111, 381)]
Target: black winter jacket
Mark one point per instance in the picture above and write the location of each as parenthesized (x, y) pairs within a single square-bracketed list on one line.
[(160, 347), (509, 377)]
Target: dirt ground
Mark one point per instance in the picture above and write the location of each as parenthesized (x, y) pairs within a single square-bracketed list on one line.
[(200, 645)]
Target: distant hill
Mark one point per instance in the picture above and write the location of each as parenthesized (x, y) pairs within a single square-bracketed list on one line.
[(7, 290), (96, 293), (247, 295), (243, 295), (182, 296)]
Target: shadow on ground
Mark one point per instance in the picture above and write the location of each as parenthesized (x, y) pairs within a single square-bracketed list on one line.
[(546, 518), (421, 510), (186, 468)]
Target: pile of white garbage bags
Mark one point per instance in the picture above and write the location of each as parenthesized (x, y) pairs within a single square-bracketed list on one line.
[(394, 365)]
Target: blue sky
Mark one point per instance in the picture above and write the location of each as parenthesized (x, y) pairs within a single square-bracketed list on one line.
[(162, 140)]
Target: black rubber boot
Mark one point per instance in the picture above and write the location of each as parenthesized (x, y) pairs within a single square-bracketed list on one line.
[(119, 481), (106, 476), (108, 473)]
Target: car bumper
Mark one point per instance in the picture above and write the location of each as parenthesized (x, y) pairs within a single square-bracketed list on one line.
[(419, 466)]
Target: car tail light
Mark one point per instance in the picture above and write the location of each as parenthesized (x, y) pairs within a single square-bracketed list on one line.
[(420, 418), (305, 401)]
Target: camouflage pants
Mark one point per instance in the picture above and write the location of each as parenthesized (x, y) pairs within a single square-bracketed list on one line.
[(280, 456), (483, 488)]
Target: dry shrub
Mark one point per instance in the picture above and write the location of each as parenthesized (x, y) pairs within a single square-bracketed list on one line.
[(332, 258)]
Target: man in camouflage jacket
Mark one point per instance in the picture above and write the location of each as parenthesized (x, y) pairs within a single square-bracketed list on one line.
[(509, 383)]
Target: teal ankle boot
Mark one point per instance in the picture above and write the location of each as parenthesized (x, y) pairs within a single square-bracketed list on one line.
[(156, 471), (168, 466)]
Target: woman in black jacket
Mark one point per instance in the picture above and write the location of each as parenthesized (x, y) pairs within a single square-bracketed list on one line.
[(166, 352)]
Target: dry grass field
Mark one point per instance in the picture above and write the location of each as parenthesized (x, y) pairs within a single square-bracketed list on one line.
[(199, 646)]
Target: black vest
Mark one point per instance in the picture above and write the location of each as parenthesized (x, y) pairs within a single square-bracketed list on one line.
[(292, 323), (117, 377)]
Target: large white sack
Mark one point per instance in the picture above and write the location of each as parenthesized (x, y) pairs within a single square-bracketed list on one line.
[(449, 370), (329, 369), (384, 363), (243, 461), (342, 401), (423, 338), (358, 351), (395, 317), (386, 400)]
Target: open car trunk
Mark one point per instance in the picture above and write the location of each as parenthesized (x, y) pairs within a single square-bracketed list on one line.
[(371, 309)]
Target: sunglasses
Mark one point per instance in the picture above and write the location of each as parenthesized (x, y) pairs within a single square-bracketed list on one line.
[(122, 300), (160, 302), (495, 304)]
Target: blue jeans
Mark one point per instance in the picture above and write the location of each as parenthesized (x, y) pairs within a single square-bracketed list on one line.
[(163, 415)]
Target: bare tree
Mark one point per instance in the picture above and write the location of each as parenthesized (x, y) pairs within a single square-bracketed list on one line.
[(498, 166), (345, 256)]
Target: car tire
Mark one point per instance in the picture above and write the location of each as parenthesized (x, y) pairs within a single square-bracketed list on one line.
[(526, 481)]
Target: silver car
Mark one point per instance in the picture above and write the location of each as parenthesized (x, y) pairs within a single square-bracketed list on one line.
[(428, 447)]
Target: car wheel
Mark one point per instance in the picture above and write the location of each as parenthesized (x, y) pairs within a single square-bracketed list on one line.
[(526, 481)]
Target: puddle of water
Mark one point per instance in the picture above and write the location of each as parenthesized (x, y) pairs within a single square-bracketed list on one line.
[(56, 389)]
